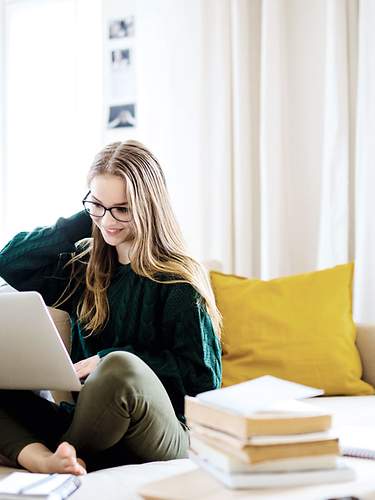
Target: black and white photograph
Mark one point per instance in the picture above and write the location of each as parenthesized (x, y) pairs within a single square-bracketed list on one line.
[(120, 58), (121, 28), (122, 116)]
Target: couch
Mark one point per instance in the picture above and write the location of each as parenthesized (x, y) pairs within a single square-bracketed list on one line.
[(124, 482)]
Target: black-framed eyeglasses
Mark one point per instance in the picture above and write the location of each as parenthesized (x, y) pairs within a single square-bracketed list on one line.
[(95, 209)]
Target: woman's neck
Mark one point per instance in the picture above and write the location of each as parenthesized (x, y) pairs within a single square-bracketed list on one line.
[(123, 251)]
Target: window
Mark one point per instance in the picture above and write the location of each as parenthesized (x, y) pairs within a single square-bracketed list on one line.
[(52, 108)]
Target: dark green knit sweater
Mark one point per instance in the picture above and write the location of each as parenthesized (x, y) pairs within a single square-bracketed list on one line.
[(163, 324)]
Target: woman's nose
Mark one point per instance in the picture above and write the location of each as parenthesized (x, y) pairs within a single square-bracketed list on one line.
[(108, 218)]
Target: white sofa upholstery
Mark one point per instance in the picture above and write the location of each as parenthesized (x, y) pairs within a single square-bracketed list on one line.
[(124, 482)]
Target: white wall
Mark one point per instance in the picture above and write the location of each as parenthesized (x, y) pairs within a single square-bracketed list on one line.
[(2, 114), (169, 64), (54, 120)]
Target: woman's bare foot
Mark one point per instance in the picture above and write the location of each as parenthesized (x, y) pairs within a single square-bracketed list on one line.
[(36, 457)]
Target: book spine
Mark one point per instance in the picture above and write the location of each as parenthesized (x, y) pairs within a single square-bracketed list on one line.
[(288, 426), (196, 412)]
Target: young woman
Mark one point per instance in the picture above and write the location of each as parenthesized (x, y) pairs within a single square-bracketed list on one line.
[(145, 327)]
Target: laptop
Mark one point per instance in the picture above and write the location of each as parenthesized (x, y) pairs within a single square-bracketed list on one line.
[(32, 354)]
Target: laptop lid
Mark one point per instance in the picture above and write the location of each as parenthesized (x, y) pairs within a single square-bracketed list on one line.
[(32, 354)]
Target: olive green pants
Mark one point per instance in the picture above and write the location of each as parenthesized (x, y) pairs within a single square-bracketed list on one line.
[(123, 415)]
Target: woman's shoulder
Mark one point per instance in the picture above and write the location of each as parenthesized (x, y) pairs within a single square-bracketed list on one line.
[(179, 294), (174, 282), (173, 289)]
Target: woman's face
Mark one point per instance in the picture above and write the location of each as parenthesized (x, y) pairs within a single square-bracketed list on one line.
[(109, 191)]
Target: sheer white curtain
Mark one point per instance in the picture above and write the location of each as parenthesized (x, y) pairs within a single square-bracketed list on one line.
[(260, 111), (337, 211), (365, 166), (269, 153), (296, 157)]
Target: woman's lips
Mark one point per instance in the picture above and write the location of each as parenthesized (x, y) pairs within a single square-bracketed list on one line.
[(112, 232)]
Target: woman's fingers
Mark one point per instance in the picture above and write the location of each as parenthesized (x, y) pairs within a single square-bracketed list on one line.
[(84, 367), (81, 369)]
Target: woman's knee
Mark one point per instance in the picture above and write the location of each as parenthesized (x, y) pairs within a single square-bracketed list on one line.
[(122, 366)]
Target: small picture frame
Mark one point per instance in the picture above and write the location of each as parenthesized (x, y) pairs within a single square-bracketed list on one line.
[(122, 116), (121, 28)]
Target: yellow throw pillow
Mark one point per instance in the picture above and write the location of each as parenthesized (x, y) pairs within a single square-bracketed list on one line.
[(298, 328)]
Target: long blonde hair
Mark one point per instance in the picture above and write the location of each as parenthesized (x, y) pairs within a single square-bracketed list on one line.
[(157, 248)]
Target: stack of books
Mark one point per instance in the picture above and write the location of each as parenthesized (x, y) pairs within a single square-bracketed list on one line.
[(250, 435)]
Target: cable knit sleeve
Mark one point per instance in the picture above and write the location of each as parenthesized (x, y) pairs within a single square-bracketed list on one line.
[(35, 260)]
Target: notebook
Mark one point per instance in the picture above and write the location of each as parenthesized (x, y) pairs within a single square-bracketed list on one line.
[(24, 485), (357, 441)]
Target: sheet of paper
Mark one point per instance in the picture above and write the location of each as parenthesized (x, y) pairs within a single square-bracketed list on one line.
[(257, 394)]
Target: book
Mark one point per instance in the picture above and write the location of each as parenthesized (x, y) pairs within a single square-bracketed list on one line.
[(257, 394), (277, 479), (26, 485), (239, 443), (267, 448), (358, 442), (227, 463), (282, 417)]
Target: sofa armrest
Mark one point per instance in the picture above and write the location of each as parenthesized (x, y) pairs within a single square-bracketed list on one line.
[(366, 346), (62, 322)]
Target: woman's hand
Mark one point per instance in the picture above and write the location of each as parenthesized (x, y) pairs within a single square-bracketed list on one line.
[(86, 366)]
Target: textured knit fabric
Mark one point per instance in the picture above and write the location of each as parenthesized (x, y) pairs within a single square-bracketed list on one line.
[(164, 324)]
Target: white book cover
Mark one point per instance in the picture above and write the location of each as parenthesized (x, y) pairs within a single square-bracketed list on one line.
[(288, 408), (342, 473), (257, 395)]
